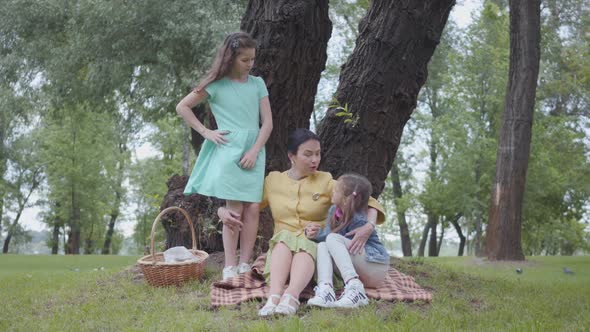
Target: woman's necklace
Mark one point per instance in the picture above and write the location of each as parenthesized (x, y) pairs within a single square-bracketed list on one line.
[(291, 175)]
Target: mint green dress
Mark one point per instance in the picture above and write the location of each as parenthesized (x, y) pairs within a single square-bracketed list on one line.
[(217, 171)]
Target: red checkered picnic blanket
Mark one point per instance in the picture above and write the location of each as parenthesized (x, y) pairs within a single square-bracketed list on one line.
[(251, 285)]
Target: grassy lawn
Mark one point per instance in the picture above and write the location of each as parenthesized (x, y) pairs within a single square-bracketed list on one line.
[(70, 293)]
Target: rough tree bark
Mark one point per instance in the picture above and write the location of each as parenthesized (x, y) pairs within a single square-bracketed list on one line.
[(503, 241), (292, 38), (380, 83)]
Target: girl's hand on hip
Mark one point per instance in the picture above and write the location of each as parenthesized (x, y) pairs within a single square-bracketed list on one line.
[(248, 160), (216, 136), (230, 219), (360, 237)]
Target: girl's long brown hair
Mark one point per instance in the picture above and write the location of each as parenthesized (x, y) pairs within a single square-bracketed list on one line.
[(356, 190), (225, 57)]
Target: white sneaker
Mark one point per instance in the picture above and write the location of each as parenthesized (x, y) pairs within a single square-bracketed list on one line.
[(229, 272), (354, 295), (244, 267), (324, 296)]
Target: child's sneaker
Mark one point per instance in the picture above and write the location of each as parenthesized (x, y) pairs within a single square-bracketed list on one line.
[(244, 267), (229, 272), (353, 296), (324, 296)]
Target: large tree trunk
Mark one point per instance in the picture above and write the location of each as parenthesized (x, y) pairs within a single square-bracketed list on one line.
[(380, 84), (503, 240), (292, 40), (401, 214)]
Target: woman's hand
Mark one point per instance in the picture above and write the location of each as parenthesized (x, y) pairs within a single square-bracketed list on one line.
[(248, 160), (230, 219), (215, 136), (360, 237), (311, 230)]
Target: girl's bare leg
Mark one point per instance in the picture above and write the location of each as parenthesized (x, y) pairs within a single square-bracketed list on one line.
[(230, 238), (250, 215)]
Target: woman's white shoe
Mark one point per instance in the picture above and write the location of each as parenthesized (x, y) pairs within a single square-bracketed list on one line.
[(269, 307), (285, 307)]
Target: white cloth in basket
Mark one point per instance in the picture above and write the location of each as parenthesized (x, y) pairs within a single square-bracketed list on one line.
[(179, 254)]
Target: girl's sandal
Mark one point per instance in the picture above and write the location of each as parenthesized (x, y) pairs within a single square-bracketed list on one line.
[(285, 307), (269, 307)]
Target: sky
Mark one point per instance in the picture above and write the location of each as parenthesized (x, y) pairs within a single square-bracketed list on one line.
[(461, 15)]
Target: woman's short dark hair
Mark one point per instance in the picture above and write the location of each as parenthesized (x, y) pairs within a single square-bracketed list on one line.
[(298, 137)]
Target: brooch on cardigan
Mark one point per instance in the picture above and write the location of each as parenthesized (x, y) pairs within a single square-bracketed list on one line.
[(315, 196)]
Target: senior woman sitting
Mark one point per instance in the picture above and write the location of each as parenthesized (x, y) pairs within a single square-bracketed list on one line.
[(299, 199)]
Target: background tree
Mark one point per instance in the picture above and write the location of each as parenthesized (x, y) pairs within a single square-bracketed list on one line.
[(434, 99), (503, 239), (77, 175), (26, 171), (469, 74)]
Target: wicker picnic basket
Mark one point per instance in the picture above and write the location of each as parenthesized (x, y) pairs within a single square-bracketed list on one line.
[(159, 273)]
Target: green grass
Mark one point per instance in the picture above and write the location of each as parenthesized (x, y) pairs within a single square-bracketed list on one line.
[(73, 293)]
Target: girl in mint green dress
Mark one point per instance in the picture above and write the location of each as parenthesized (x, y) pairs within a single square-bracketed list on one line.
[(231, 162)]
